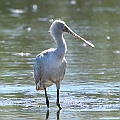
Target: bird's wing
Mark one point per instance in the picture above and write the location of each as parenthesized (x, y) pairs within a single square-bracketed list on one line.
[(38, 69), (39, 63)]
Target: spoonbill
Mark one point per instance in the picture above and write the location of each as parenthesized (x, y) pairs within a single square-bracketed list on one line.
[(50, 65)]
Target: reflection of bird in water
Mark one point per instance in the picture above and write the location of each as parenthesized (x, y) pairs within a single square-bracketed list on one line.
[(50, 65)]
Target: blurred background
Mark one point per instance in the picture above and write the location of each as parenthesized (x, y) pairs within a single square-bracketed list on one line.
[(91, 87)]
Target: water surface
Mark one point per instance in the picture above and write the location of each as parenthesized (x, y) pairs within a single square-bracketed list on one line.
[(91, 87)]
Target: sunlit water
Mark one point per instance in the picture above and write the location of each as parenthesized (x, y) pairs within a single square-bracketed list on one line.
[(91, 87)]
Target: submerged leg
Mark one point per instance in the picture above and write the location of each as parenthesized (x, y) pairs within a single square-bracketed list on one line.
[(58, 104), (47, 101)]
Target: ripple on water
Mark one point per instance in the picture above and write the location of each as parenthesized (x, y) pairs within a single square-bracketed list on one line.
[(90, 103), (80, 98)]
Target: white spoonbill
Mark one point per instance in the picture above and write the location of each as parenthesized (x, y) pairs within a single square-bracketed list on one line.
[(50, 65)]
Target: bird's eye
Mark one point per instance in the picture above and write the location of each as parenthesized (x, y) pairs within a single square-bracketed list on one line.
[(63, 27)]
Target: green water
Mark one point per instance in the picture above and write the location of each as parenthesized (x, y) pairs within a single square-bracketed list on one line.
[(91, 87)]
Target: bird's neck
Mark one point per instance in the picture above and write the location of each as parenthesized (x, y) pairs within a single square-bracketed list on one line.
[(61, 44)]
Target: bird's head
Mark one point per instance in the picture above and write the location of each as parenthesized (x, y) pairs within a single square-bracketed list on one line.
[(59, 26)]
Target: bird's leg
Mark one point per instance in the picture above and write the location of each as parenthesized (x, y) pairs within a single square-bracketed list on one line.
[(58, 104), (47, 101)]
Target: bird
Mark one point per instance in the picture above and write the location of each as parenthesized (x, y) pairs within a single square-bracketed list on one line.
[(50, 65)]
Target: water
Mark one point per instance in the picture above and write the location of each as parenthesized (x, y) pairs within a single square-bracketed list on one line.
[(91, 87)]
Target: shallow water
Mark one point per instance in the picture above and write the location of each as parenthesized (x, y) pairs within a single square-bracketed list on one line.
[(91, 87)]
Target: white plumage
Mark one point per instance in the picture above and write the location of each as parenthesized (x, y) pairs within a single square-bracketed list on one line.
[(50, 65), (49, 68)]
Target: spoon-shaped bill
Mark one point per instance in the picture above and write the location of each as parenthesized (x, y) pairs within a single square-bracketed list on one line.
[(77, 36)]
